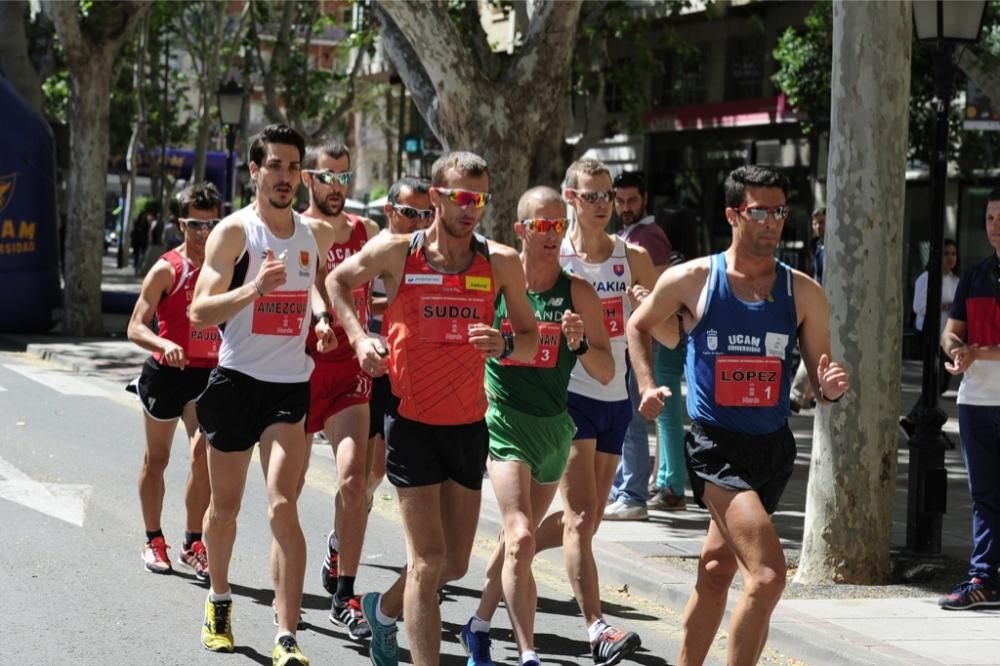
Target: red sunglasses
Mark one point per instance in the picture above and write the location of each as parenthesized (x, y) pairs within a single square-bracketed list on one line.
[(465, 198)]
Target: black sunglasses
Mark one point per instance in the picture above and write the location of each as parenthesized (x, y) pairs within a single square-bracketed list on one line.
[(411, 212)]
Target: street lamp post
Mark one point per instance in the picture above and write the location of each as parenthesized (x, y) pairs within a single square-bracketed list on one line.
[(232, 100), (944, 24)]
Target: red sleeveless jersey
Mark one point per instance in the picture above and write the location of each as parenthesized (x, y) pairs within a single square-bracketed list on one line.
[(337, 254), (435, 372), (201, 347)]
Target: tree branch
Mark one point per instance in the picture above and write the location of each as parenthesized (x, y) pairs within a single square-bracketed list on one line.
[(985, 78)]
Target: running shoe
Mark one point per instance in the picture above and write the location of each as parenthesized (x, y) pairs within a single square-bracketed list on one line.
[(330, 572), (476, 644), (287, 652), (350, 617), (217, 631), (301, 624), (383, 650), (613, 645), (975, 593), (154, 556), (196, 557)]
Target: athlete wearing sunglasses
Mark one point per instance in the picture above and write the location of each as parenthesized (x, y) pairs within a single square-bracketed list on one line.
[(761, 213), (196, 224), (330, 177), (593, 196), (465, 198), (412, 213), (542, 225)]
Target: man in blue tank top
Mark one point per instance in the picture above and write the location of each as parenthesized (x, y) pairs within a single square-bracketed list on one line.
[(743, 312)]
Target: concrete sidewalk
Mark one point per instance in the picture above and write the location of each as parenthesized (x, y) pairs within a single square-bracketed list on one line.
[(656, 559)]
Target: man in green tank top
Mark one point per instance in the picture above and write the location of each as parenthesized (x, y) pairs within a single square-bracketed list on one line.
[(530, 432)]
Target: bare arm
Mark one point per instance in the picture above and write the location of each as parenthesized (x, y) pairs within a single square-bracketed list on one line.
[(157, 282), (598, 360), (509, 277), (829, 378)]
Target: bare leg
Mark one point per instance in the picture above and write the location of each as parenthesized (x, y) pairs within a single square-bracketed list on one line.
[(707, 604), (288, 451), (227, 474), (347, 431), (159, 438), (197, 493)]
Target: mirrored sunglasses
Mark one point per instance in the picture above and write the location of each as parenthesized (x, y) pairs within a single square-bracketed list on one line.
[(465, 198), (331, 177), (593, 197), (542, 226), (761, 213), (411, 212), (197, 225)]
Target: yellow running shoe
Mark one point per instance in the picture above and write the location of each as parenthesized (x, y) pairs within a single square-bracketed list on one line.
[(217, 632), (287, 653)]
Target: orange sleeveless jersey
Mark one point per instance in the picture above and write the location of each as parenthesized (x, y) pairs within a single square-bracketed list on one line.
[(435, 372)]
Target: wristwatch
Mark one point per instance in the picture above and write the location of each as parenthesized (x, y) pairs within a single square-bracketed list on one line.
[(583, 348), (508, 345)]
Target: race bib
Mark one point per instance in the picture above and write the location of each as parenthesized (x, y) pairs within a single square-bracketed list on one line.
[(614, 316), (204, 344), (280, 313), (360, 295), (549, 335), (447, 318), (747, 381)]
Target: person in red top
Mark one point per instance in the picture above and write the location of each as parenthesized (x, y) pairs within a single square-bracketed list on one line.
[(339, 390), (441, 284), (173, 377)]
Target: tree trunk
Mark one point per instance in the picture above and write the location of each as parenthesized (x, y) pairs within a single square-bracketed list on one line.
[(14, 61), (852, 476)]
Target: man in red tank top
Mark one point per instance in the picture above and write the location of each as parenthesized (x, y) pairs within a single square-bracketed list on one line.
[(173, 377), (339, 390), (441, 284)]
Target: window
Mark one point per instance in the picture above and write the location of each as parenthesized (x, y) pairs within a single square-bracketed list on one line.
[(745, 67), (681, 79)]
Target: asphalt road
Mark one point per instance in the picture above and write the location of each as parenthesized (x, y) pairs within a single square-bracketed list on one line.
[(75, 592)]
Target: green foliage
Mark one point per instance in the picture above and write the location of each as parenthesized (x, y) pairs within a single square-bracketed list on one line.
[(805, 61)]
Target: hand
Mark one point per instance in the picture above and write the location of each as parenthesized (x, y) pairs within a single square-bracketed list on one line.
[(572, 328), (325, 339), (174, 356), (961, 358), (272, 274), (637, 294), (833, 379), (372, 356), (651, 403), (487, 340)]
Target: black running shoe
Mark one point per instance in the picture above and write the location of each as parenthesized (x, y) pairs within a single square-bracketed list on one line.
[(350, 616), (330, 572), (613, 645)]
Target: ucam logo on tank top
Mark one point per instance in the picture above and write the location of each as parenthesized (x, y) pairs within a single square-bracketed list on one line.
[(267, 339), (738, 370), (611, 280)]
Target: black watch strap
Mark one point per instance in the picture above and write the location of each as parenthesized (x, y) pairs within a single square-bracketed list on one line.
[(583, 348)]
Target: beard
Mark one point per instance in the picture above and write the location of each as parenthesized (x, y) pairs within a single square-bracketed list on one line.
[(281, 205), (329, 209), (628, 218)]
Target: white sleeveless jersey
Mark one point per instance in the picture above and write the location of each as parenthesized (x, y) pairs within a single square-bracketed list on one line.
[(267, 339), (611, 280)]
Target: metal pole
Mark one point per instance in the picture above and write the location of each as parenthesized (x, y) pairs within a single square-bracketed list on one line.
[(231, 166), (928, 479), (402, 121)]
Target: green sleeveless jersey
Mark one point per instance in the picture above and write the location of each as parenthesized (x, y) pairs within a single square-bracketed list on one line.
[(537, 388)]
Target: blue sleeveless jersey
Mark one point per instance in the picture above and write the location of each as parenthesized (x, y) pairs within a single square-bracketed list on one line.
[(739, 367)]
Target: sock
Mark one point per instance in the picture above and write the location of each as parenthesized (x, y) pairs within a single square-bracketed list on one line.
[(225, 596), (345, 588), (152, 535), (479, 626), (529, 656), (594, 630), (281, 635), (190, 538), (381, 617)]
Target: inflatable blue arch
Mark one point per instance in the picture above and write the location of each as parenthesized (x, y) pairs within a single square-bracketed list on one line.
[(29, 239)]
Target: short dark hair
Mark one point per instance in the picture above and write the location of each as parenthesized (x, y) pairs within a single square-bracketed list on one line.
[(994, 195), (276, 133), (819, 212), (200, 196), (412, 183), (334, 149), (751, 175), (464, 162), (636, 179)]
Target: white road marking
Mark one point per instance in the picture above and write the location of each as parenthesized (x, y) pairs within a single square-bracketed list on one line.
[(65, 501), (60, 381)]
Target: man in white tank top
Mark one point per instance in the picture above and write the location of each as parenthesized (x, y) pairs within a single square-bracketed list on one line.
[(621, 274), (260, 265)]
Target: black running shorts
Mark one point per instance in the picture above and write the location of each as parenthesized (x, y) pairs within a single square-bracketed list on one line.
[(381, 390), (164, 390), (235, 408), (418, 454), (735, 461)]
